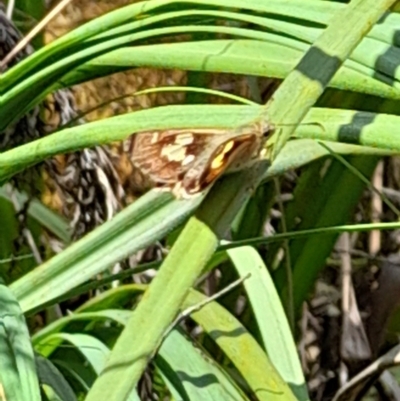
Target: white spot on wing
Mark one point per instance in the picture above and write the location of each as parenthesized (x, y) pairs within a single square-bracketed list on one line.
[(155, 137), (174, 152), (184, 139), (188, 159)]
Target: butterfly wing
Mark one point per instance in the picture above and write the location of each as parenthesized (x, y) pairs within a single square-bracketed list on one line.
[(161, 159), (188, 161), (230, 153)]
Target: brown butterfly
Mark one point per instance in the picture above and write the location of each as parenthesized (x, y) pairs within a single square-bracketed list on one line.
[(188, 161)]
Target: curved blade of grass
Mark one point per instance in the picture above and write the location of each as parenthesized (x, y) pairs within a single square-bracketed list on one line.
[(41, 339), (33, 89), (109, 23), (117, 297), (30, 91), (240, 56), (93, 350), (50, 339), (306, 10), (79, 358), (271, 319)]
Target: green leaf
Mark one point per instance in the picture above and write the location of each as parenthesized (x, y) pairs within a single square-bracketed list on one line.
[(49, 375), (139, 225), (94, 352), (141, 336), (42, 214), (270, 317), (17, 363), (241, 348), (192, 374)]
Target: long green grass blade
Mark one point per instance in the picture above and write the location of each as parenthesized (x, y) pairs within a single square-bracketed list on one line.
[(379, 131), (240, 56), (270, 317), (320, 64), (196, 245), (139, 225), (241, 348), (17, 363), (50, 376), (192, 373)]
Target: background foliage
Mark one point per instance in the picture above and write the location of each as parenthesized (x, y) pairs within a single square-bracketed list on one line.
[(291, 323)]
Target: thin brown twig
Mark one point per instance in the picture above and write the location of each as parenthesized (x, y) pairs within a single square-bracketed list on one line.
[(195, 308), (376, 209), (24, 41), (10, 8), (363, 379)]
